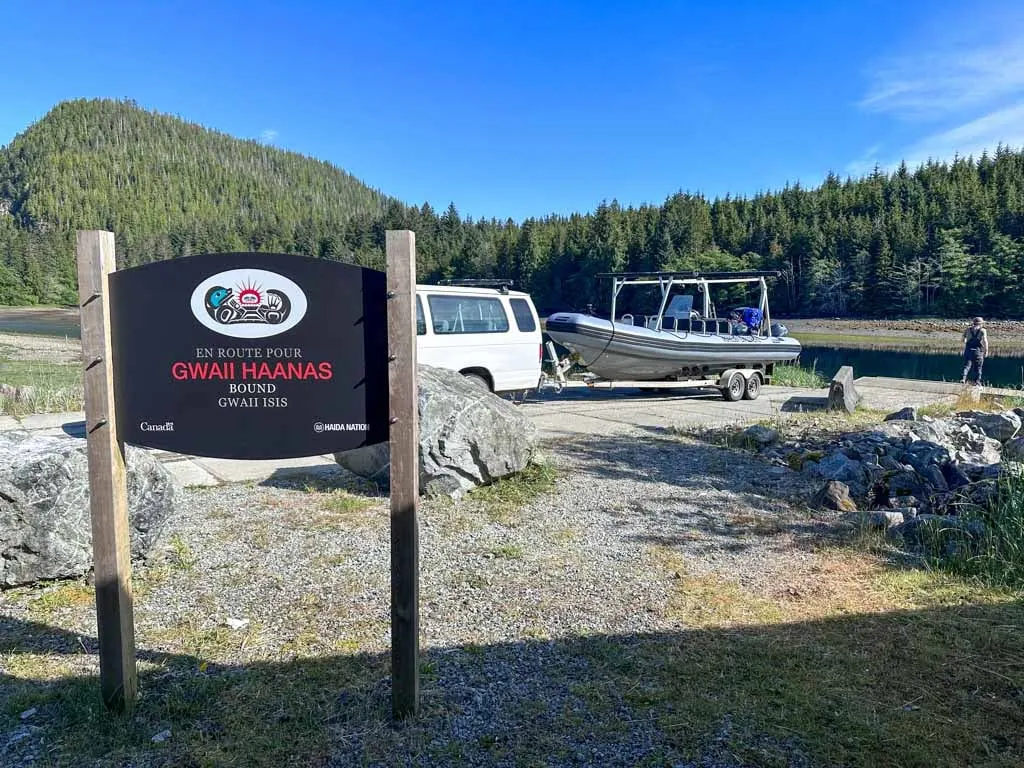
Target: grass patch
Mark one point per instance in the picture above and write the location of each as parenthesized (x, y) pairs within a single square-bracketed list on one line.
[(793, 375), (216, 717), (39, 387), (994, 552), (181, 557), (508, 552), (67, 595), (510, 494), (859, 666), (334, 509), (343, 504)]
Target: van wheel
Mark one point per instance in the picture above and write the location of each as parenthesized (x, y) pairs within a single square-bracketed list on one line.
[(753, 387), (734, 389), (479, 380)]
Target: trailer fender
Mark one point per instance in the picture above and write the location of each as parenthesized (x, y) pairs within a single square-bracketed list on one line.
[(723, 379)]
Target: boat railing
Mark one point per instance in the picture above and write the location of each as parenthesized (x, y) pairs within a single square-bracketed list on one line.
[(719, 326)]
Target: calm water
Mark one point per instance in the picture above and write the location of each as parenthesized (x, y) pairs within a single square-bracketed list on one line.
[(998, 371), (47, 322)]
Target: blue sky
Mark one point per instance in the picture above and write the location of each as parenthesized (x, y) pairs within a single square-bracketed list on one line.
[(527, 108)]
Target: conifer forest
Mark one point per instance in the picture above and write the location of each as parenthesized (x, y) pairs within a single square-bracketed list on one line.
[(944, 239)]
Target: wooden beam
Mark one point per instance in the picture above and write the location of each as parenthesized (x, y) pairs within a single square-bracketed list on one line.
[(405, 473), (108, 495)]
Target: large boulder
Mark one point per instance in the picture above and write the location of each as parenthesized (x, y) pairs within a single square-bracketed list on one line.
[(468, 437), (45, 523), (998, 426)]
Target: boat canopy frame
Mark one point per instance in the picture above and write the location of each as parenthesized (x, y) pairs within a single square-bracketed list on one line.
[(667, 280)]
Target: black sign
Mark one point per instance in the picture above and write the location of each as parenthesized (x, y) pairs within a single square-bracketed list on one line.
[(250, 355)]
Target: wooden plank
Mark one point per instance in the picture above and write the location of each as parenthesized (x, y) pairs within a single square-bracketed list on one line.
[(405, 473), (108, 495)]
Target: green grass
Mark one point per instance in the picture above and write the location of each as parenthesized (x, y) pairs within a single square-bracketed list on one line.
[(996, 557), (505, 497), (854, 664), (66, 595), (181, 556), (790, 375), (44, 387), (508, 552), (859, 664)]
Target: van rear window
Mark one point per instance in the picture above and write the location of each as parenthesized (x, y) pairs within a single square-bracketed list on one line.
[(523, 315), (421, 323), (467, 314)]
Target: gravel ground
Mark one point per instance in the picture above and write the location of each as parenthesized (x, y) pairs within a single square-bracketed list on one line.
[(514, 602)]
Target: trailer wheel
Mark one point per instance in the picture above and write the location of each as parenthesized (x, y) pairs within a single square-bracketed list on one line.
[(753, 387), (734, 388)]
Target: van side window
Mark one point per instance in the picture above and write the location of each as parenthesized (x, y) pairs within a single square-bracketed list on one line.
[(524, 317), (467, 314), (421, 323)]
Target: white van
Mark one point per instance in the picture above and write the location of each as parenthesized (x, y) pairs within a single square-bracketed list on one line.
[(491, 336)]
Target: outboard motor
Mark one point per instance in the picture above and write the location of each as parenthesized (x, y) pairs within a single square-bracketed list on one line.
[(779, 330)]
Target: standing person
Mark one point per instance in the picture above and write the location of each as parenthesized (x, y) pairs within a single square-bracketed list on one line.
[(975, 349)]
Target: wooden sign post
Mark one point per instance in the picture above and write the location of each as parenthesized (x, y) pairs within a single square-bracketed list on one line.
[(405, 473), (108, 495)]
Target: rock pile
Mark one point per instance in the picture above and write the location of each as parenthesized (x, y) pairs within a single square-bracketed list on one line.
[(907, 474)]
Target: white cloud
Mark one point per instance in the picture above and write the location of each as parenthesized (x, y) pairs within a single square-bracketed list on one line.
[(938, 84), (268, 135), (971, 93), (1003, 126)]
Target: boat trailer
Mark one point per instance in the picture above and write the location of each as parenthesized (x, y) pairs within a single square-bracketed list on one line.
[(733, 383)]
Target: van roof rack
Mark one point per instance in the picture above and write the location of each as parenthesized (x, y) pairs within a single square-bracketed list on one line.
[(501, 285)]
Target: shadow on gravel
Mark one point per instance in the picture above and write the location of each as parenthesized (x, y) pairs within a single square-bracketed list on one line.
[(804, 403), (938, 687), (324, 478), (720, 493)]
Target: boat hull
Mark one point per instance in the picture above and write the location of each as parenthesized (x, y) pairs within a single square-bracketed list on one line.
[(618, 351)]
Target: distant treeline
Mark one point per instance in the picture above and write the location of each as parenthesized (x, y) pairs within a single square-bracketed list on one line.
[(945, 239)]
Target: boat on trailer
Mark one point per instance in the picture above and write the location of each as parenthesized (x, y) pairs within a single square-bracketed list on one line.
[(679, 345)]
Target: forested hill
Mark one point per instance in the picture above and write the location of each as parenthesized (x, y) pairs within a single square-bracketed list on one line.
[(946, 238)]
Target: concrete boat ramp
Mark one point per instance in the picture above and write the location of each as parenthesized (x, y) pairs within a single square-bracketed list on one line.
[(573, 413)]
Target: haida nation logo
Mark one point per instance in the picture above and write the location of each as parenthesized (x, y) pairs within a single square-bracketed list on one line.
[(248, 303)]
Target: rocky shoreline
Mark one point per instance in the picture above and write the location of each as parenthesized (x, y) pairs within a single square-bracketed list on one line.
[(915, 476)]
